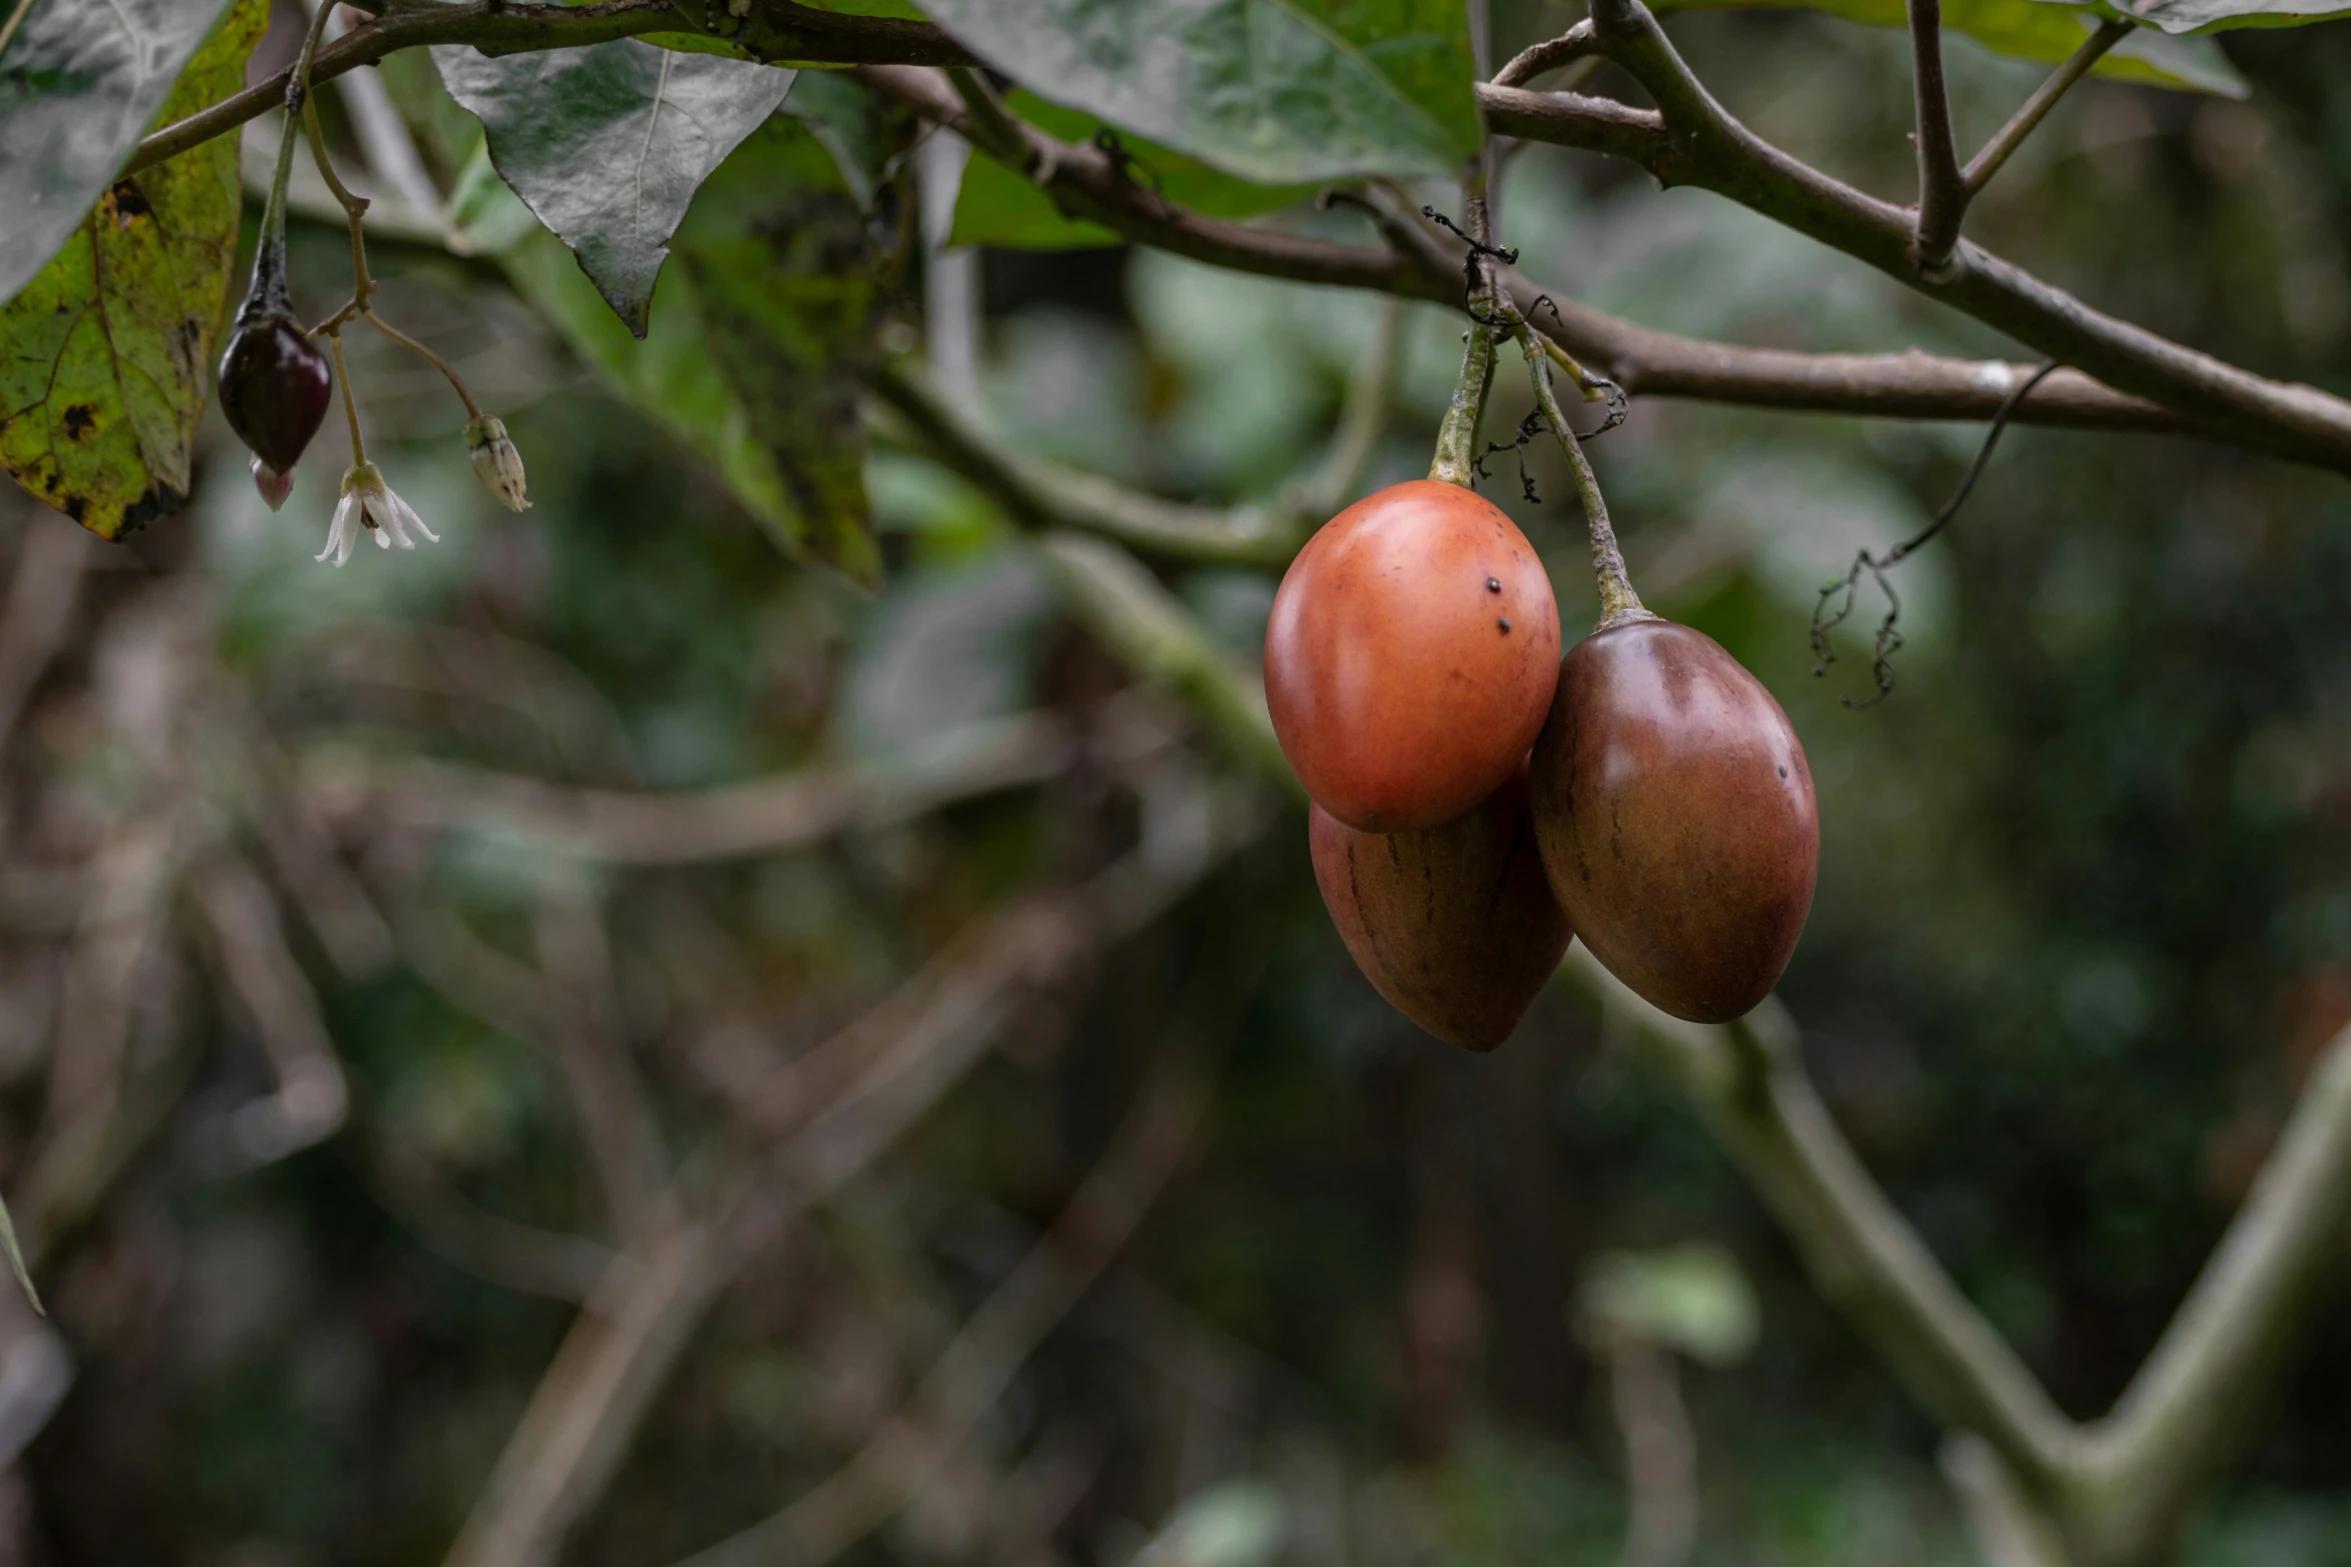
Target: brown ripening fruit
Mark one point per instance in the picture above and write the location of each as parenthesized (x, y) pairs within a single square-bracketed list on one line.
[(1675, 813), (274, 385), (1410, 656), (1454, 925)]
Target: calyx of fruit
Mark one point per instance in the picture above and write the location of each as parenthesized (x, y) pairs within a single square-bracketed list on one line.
[(1676, 818), (1410, 657), (1454, 925)]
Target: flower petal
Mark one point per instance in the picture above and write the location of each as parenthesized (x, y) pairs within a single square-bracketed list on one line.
[(408, 514)]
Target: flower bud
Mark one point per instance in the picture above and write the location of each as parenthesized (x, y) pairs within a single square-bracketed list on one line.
[(273, 485), (274, 386), (496, 463)]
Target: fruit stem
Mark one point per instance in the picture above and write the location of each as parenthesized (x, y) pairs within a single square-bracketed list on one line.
[(343, 385), (1457, 438), (1618, 602), (267, 293)]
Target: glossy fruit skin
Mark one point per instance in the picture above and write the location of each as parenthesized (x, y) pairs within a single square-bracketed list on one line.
[(1676, 817), (1410, 656), (1455, 925), (274, 387)]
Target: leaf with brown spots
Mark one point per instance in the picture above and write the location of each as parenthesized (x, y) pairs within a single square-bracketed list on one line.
[(104, 354), (761, 339)]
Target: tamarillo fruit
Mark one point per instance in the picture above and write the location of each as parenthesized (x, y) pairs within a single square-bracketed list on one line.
[(1454, 925), (1676, 818), (1410, 657)]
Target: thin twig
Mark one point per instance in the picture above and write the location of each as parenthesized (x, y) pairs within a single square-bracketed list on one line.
[(761, 816), (1889, 638), (490, 1246), (971, 1375), (1037, 491), (15, 20), (311, 1097), (589, 1040), (1942, 191), (1576, 44), (2009, 137)]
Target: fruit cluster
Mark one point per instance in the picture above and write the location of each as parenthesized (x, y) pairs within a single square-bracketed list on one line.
[(1479, 801)]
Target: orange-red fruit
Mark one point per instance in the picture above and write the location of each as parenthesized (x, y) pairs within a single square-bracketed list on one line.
[(1676, 818), (1454, 925), (1411, 656)]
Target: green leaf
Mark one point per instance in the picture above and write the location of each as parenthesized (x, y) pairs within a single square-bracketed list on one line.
[(1690, 1298), (486, 214), (79, 85), (998, 207), (2034, 30), (791, 288), (867, 132), (2213, 16), (104, 354), (1237, 1523), (760, 344), (1276, 91), (607, 144)]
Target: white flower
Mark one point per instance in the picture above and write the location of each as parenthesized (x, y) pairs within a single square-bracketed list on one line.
[(369, 503), (496, 463)]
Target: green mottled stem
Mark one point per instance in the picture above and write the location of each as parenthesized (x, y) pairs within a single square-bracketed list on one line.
[(1618, 602), (1457, 438)]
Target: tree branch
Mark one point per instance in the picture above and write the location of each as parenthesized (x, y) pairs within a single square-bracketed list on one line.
[(1552, 54), (2009, 137), (1942, 190), (1645, 362), (1114, 596), (762, 816), (1694, 142), (1749, 1089), (773, 30), (1047, 494), (1705, 147), (2191, 1407)]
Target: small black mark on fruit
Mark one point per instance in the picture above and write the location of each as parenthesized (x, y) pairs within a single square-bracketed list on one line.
[(80, 420), (1505, 625), (1493, 584), (1783, 772)]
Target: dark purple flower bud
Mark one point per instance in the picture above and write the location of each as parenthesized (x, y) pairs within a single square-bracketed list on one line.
[(274, 386)]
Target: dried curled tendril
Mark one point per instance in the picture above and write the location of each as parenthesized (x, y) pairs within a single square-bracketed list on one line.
[(1534, 424), (1889, 637)]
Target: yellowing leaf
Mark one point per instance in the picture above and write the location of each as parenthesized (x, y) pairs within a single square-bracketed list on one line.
[(104, 354)]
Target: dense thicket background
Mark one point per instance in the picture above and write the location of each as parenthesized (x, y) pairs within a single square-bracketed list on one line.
[(2083, 911)]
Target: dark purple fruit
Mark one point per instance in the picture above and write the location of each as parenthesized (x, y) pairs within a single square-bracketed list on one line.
[(1454, 925), (1676, 818), (274, 386)]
